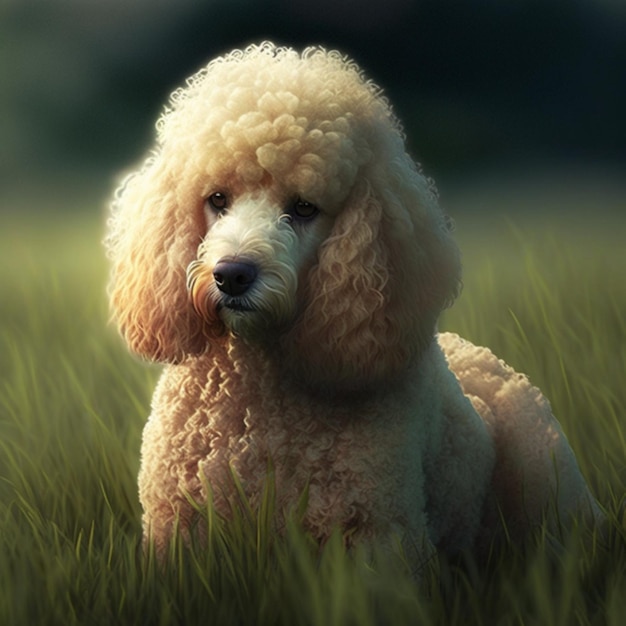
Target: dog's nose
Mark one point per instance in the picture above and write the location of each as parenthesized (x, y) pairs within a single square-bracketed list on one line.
[(234, 277)]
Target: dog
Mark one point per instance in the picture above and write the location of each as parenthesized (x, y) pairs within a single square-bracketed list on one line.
[(286, 258)]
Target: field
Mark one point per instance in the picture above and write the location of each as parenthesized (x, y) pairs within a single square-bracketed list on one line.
[(547, 294)]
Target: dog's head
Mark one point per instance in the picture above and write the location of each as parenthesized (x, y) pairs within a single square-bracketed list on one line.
[(280, 205)]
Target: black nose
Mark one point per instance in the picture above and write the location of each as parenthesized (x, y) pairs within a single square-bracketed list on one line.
[(234, 277)]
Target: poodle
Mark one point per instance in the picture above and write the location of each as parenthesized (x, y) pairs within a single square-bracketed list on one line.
[(288, 261)]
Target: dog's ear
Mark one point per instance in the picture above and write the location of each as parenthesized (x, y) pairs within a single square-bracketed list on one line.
[(153, 235), (384, 275)]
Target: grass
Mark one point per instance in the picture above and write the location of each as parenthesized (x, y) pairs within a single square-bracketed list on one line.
[(547, 297)]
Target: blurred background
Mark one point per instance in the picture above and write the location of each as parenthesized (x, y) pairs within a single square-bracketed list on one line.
[(529, 92)]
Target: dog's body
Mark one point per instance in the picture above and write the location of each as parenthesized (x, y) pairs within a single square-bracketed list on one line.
[(285, 255), (371, 463), (376, 466)]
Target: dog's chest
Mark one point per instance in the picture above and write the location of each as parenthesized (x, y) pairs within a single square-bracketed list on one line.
[(348, 456)]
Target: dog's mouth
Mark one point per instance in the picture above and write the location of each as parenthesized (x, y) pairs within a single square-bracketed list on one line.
[(240, 305), (245, 318)]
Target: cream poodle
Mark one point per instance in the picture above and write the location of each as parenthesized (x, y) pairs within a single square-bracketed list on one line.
[(288, 260)]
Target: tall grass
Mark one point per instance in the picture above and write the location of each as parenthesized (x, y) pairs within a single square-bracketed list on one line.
[(73, 404)]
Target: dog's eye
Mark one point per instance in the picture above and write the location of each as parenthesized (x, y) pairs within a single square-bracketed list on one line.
[(217, 202), (303, 210)]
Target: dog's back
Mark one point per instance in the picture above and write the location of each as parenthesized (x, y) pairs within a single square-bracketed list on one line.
[(536, 473)]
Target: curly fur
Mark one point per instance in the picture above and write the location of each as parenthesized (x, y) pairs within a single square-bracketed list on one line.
[(327, 363)]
